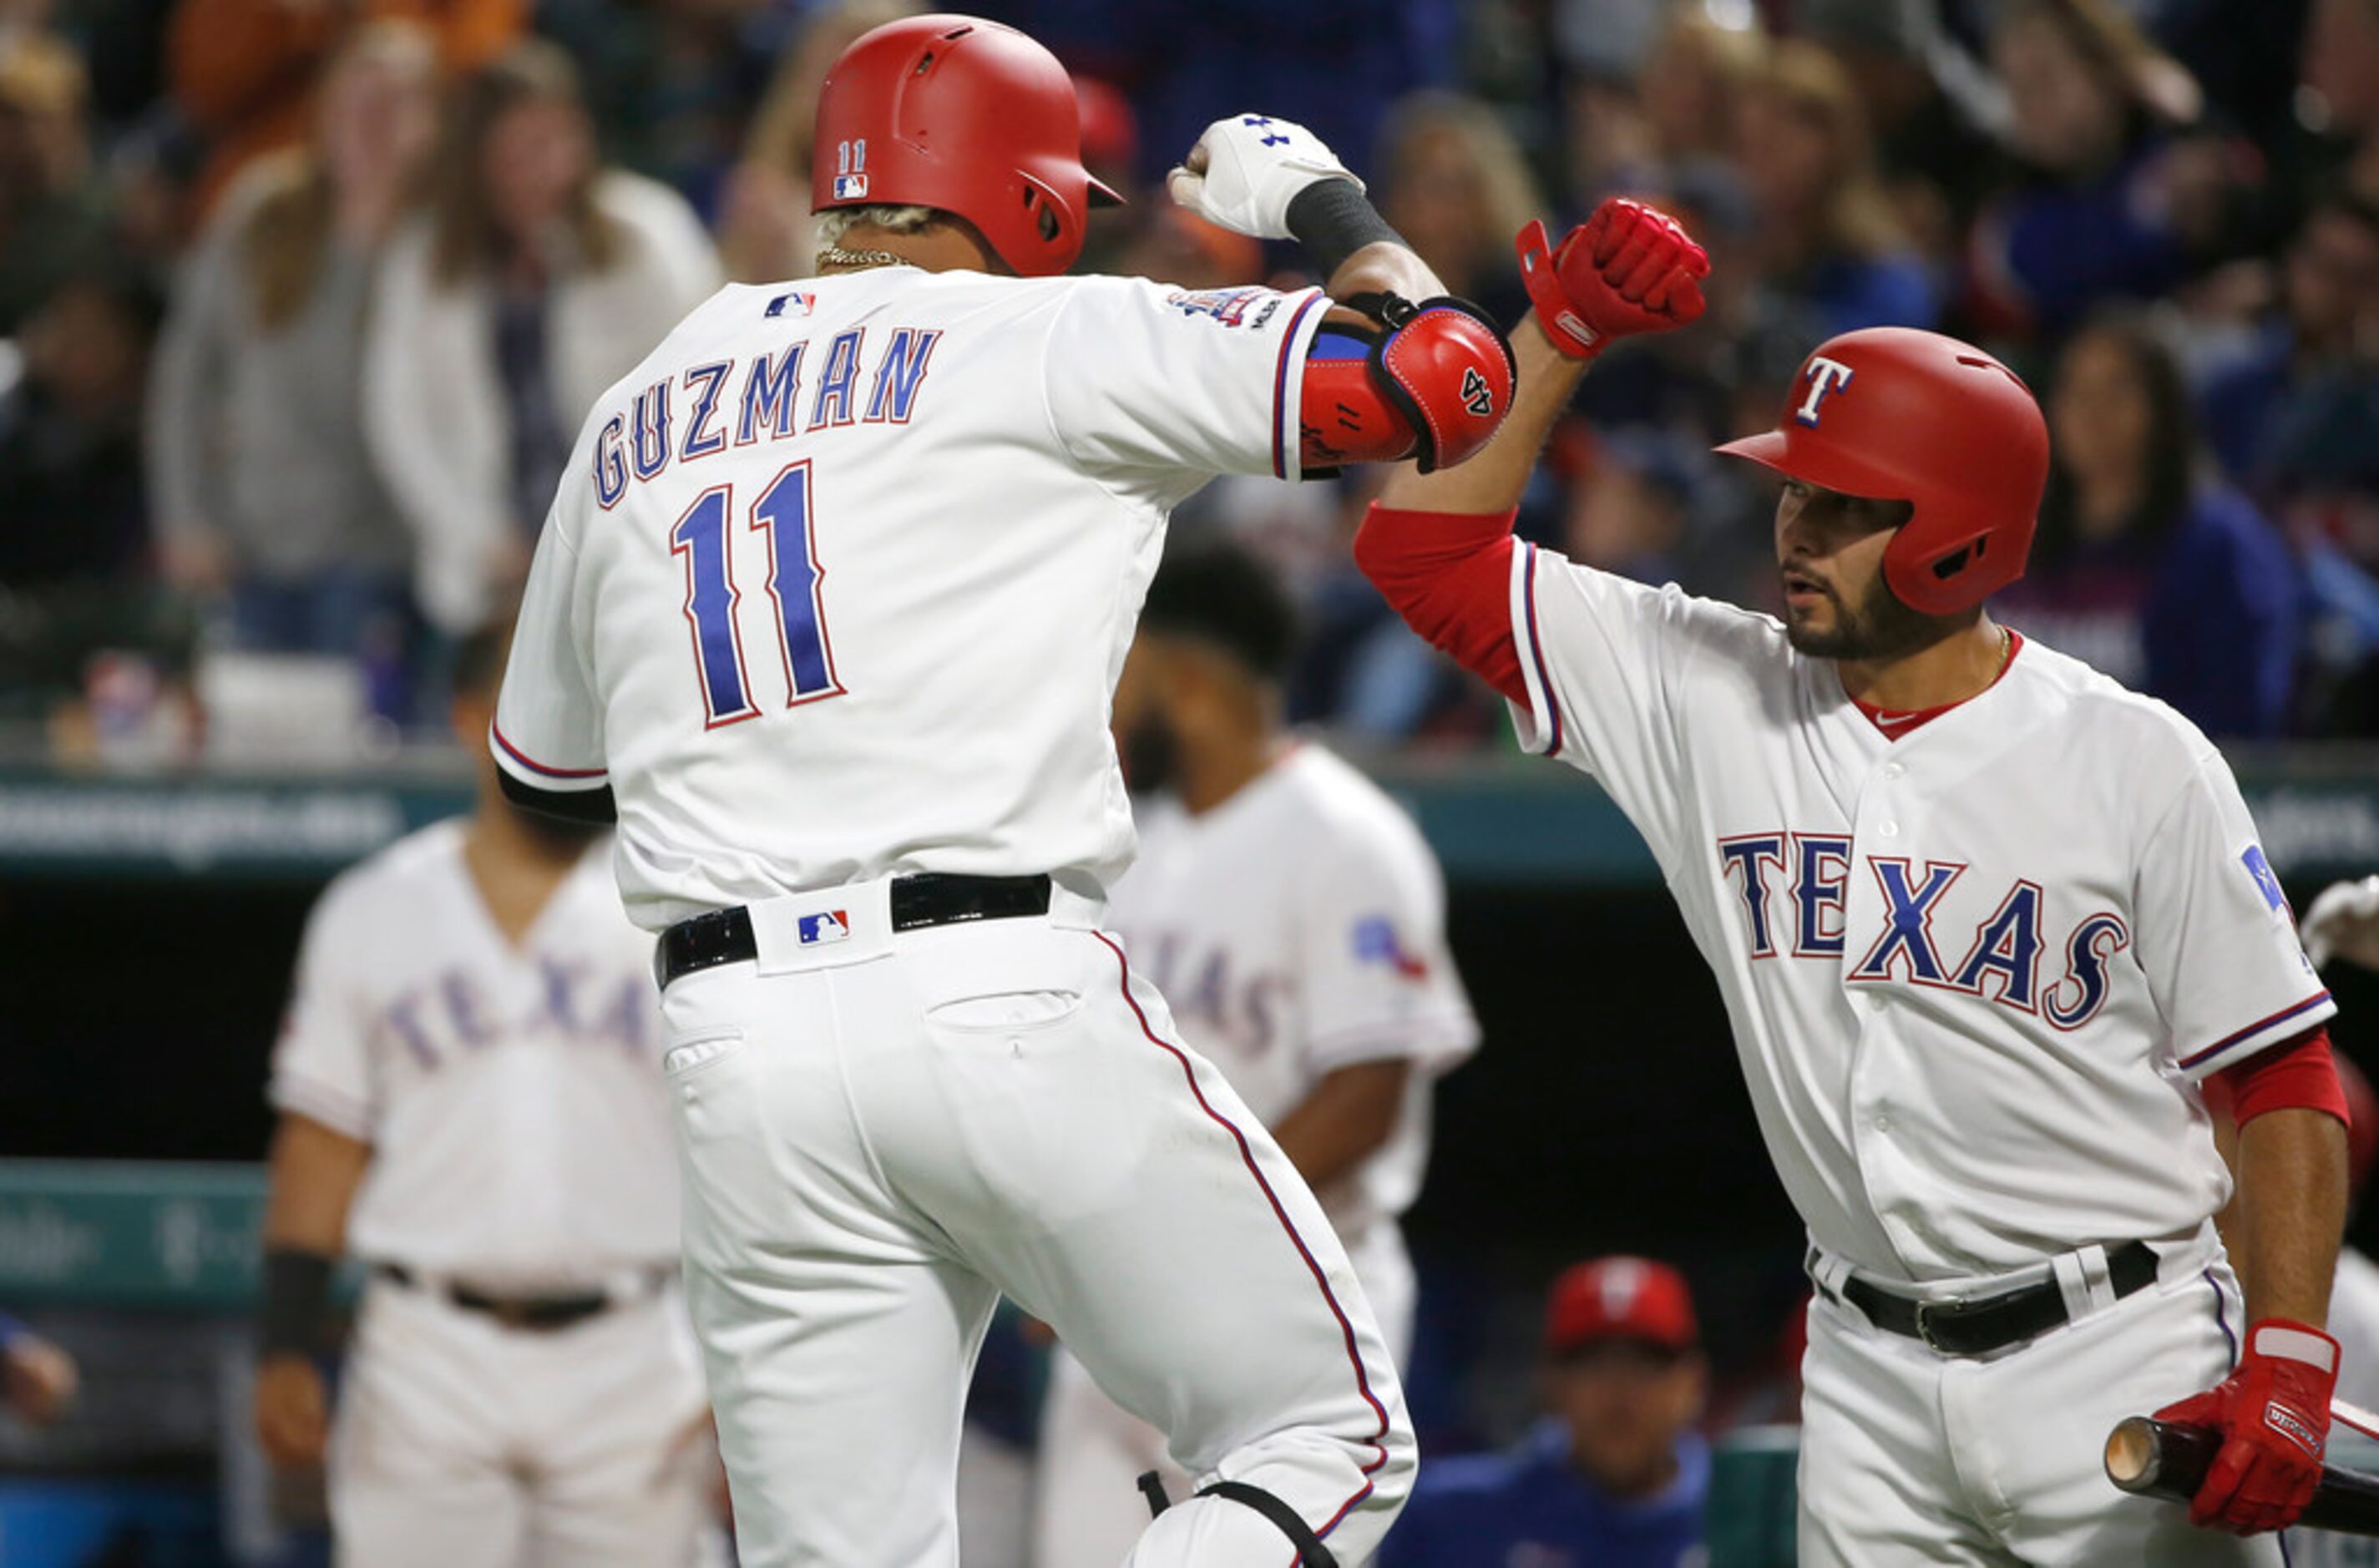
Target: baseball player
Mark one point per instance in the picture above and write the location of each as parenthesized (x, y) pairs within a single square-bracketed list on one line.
[(1614, 1474), (1295, 920), (471, 1102), (1983, 919), (829, 611)]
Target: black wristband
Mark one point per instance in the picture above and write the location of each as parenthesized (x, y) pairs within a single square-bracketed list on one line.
[(1332, 219), (297, 1293)]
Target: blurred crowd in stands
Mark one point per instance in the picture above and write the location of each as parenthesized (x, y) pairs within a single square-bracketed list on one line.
[(302, 301)]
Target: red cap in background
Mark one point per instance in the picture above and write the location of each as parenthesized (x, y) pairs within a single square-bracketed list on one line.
[(1620, 1298)]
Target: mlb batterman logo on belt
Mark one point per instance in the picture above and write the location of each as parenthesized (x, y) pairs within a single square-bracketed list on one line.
[(816, 930)]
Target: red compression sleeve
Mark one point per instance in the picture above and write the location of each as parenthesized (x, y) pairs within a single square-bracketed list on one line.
[(1449, 575), (2296, 1074)]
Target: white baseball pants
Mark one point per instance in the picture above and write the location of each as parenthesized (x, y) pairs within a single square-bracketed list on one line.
[(460, 1443), (1087, 1504), (881, 1133), (1909, 1457)]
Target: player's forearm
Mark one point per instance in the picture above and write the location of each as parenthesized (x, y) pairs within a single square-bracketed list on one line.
[(1439, 546), (1343, 1121), (1385, 267), (315, 1172), (1492, 480), (2290, 1212)]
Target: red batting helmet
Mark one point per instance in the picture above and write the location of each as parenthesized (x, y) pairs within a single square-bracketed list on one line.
[(965, 116), (1893, 413)]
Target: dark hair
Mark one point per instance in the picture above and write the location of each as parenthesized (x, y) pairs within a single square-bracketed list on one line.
[(2173, 452), (480, 660), (464, 239), (289, 232), (2154, 88), (1216, 591)]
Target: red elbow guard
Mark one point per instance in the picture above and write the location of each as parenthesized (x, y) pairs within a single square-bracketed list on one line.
[(1434, 386)]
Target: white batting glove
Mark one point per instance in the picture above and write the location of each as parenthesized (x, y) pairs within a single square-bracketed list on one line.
[(1247, 169), (2344, 923)]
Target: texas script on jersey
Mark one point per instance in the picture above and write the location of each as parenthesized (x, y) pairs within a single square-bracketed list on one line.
[(2007, 946)]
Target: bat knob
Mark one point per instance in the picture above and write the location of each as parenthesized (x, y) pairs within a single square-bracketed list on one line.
[(2134, 1454)]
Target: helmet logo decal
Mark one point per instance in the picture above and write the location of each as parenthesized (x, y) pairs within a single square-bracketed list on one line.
[(850, 170), (1825, 376)]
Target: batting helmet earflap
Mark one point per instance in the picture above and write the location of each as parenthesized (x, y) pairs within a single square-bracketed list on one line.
[(965, 116), (1894, 413)]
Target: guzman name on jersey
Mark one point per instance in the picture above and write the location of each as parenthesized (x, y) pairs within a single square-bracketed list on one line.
[(759, 399)]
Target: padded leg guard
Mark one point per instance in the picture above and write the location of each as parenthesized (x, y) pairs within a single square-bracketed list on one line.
[(1310, 1552)]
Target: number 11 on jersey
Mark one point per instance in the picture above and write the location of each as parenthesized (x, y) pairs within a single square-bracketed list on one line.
[(796, 589)]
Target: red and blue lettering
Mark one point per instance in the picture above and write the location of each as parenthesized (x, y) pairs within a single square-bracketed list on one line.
[(1742, 856), (2009, 947), (1908, 920)]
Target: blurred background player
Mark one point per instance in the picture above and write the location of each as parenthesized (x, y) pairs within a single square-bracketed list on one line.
[(1295, 920), (471, 1102), (1614, 1473), (2343, 923)]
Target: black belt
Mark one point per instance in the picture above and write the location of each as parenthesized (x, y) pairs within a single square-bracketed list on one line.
[(539, 1313), (1978, 1328), (926, 898)]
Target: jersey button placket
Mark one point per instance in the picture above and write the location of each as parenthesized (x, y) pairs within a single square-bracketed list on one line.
[(1876, 825)]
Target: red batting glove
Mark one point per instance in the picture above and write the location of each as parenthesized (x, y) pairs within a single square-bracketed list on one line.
[(1624, 270), (2273, 1413)]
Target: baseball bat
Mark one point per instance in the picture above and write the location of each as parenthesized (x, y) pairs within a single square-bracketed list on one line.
[(2165, 1459)]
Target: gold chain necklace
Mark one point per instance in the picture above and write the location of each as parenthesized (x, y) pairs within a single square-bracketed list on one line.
[(836, 256)]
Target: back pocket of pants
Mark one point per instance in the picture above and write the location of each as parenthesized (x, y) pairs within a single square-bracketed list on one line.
[(685, 1058), (1006, 1012)]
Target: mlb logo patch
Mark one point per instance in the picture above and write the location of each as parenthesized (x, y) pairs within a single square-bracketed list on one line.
[(2259, 870), (817, 930), (851, 187), (797, 303), (1376, 943)]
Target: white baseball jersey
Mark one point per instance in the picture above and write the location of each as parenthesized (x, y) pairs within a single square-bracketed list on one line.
[(839, 580), (1974, 972), (512, 1095), (1296, 928), (2354, 1322)]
